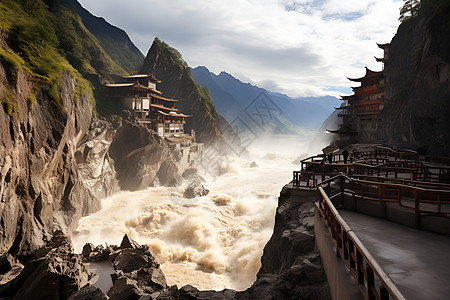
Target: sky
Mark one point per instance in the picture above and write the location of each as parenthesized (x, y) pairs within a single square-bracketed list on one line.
[(300, 48)]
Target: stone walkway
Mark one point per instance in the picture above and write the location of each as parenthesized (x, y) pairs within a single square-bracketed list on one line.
[(417, 261)]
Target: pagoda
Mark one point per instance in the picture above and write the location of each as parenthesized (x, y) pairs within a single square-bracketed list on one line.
[(360, 112), (139, 94)]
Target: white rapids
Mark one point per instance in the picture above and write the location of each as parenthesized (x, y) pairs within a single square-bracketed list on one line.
[(211, 242)]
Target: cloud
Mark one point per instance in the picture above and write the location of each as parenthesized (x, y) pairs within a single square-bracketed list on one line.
[(301, 47)]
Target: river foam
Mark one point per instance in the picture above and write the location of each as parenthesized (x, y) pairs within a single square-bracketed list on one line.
[(212, 242)]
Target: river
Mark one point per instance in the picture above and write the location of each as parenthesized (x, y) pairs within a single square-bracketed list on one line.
[(211, 242)]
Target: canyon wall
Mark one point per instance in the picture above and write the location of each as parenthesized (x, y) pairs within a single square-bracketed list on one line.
[(418, 82), (44, 183)]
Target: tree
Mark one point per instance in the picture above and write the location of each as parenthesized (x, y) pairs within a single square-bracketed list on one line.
[(409, 9)]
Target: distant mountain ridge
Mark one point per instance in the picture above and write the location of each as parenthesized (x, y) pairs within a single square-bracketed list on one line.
[(283, 115)]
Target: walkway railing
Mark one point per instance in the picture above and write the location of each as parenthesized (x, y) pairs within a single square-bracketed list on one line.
[(405, 155), (422, 200), (373, 282)]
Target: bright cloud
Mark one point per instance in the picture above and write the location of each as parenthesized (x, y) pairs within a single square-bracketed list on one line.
[(302, 48)]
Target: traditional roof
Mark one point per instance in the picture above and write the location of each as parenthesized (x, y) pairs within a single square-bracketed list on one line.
[(113, 85), (165, 99), (163, 107), (179, 139), (174, 115), (369, 73), (136, 85), (342, 107), (383, 46), (138, 76), (343, 131), (347, 97)]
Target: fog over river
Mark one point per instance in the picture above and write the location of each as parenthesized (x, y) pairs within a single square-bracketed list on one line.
[(211, 242)]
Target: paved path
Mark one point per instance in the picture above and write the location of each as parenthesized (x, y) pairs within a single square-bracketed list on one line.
[(417, 261)]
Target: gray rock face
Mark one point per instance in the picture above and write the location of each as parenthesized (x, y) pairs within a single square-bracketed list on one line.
[(291, 267), (129, 242), (88, 292), (141, 157), (137, 274), (40, 187), (56, 275), (195, 189)]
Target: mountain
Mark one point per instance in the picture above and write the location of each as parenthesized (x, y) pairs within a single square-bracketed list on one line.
[(116, 43), (262, 110), (177, 82)]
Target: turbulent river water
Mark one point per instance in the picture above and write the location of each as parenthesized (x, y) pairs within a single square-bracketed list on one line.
[(211, 242)]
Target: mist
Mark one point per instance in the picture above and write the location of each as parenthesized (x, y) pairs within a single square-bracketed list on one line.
[(215, 241)]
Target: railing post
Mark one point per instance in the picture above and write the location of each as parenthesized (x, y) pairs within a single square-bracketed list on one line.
[(370, 283), (359, 264), (417, 210)]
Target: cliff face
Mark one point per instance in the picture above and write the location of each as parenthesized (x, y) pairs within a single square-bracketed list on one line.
[(40, 186), (168, 66), (141, 157), (418, 82)]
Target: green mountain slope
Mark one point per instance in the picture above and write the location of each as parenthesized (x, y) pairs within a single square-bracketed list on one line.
[(112, 39), (167, 65)]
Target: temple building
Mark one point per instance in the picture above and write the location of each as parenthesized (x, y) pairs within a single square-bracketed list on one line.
[(139, 94), (360, 112)]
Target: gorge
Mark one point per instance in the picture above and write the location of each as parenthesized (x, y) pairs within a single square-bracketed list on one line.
[(74, 166)]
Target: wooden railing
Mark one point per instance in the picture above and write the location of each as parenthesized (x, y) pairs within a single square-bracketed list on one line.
[(422, 200), (373, 282), (414, 170), (387, 152)]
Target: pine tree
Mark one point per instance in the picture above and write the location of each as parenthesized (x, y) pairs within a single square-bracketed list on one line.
[(409, 9)]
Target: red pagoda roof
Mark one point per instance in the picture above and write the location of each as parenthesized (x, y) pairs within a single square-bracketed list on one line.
[(369, 73)]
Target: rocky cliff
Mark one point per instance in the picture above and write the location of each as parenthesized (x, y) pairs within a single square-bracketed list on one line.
[(43, 184), (418, 82)]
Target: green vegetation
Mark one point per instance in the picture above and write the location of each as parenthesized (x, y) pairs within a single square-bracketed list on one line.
[(8, 102), (409, 10), (47, 38), (30, 100), (11, 62), (174, 53)]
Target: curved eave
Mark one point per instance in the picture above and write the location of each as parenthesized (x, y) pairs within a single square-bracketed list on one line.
[(138, 76), (343, 132), (383, 46), (369, 73)]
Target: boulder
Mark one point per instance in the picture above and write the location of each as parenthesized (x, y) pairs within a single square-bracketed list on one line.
[(195, 189), (88, 292), (59, 240), (129, 260), (55, 276), (10, 268), (125, 289), (128, 242), (87, 249), (7, 261), (176, 180)]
